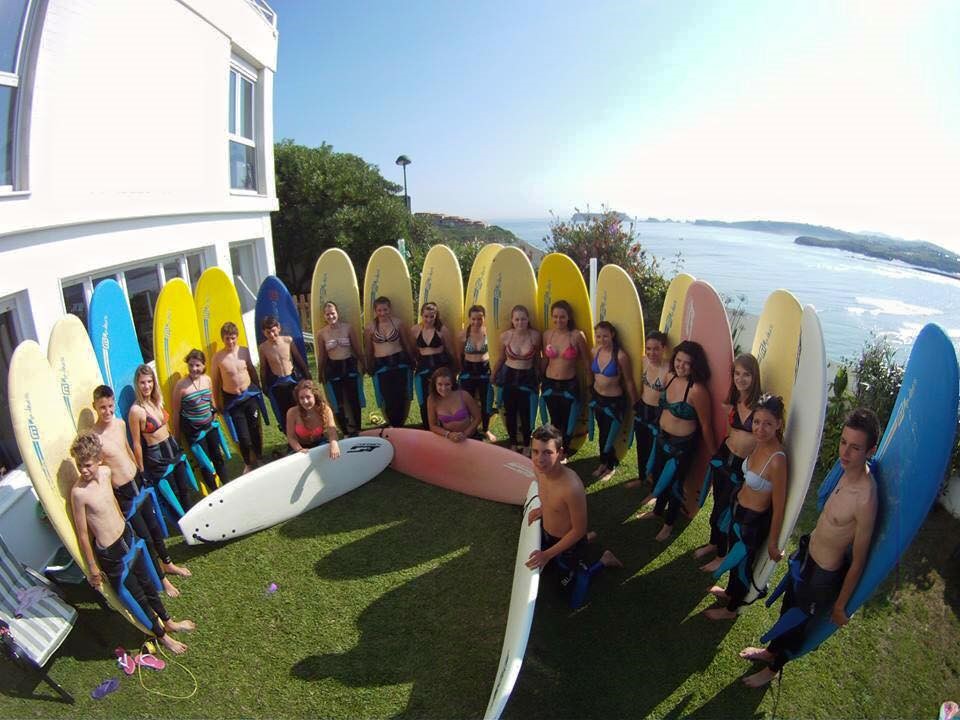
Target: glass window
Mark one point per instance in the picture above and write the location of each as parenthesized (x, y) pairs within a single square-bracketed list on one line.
[(233, 102), (242, 130), (9, 339), (7, 98), (12, 15), (243, 166), (143, 287), (245, 274), (246, 109), (171, 270), (74, 301), (195, 268)]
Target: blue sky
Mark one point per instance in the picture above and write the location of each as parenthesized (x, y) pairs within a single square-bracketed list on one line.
[(844, 114)]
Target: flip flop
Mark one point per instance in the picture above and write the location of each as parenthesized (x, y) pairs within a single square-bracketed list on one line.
[(124, 661), (150, 661), (105, 688)]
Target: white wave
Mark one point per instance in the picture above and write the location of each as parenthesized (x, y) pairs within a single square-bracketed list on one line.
[(888, 306)]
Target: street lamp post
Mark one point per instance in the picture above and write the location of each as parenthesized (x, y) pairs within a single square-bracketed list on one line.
[(403, 161)]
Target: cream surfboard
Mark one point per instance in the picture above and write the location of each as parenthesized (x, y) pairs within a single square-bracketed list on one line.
[(523, 602), (334, 280), (802, 438), (74, 362), (478, 277), (45, 429), (671, 315), (618, 303), (776, 344), (284, 489), (442, 283), (559, 278), (510, 282), (387, 276)]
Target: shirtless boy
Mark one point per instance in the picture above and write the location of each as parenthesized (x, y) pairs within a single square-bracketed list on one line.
[(278, 357), (563, 512), (827, 579), (233, 380), (95, 511), (127, 481)]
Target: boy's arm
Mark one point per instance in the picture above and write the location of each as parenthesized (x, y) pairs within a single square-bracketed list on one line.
[(576, 503), (251, 370), (83, 537), (865, 516), (264, 364), (299, 360)]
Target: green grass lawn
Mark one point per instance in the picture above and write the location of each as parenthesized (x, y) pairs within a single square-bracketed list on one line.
[(392, 602)]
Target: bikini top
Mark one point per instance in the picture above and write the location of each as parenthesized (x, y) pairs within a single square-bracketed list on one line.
[(308, 435), (379, 337), (756, 481), (151, 424), (471, 349), (459, 416), (737, 424), (340, 342), (681, 410), (609, 370), (569, 352), (435, 342), (514, 355), (657, 384)]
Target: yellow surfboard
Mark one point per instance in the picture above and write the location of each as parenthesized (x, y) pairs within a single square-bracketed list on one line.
[(334, 279), (478, 276), (559, 278), (387, 276), (217, 302), (672, 313), (175, 333), (618, 303), (510, 282), (71, 356), (44, 429), (442, 283), (776, 344)]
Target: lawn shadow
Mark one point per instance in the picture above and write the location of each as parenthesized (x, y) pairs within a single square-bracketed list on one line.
[(736, 700)]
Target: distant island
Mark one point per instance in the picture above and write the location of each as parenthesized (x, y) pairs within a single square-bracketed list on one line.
[(923, 255), (585, 217)]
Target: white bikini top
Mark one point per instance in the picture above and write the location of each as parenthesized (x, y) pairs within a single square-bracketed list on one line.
[(756, 481)]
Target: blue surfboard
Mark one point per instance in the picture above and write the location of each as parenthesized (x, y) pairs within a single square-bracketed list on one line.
[(273, 298), (909, 466), (115, 342)]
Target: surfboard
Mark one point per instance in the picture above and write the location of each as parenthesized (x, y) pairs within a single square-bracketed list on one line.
[(705, 322), (672, 313), (442, 283), (523, 602), (801, 440), (216, 302), (559, 278), (175, 333), (44, 430), (71, 356), (619, 303), (334, 279), (478, 277), (284, 489), (387, 276), (273, 298), (911, 463), (510, 281), (776, 344), (115, 342)]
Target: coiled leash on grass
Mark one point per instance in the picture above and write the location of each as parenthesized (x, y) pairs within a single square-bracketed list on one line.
[(196, 685)]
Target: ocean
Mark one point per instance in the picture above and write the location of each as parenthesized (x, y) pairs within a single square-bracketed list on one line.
[(855, 296)]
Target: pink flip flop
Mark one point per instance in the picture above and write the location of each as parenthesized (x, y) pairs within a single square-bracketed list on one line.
[(124, 661), (150, 661)]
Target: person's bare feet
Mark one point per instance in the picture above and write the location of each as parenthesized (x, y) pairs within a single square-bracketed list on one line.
[(718, 592), (591, 536), (704, 550), (180, 625), (664, 533), (755, 654), (607, 475), (169, 588), (712, 565), (608, 559), (759, 679), (644, 514), (490, 436), (173, 645), (599, 470), (718, 613), (171, 569), (246, 469), (635, 483)]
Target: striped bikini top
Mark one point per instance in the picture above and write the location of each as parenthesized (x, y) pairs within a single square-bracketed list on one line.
[(196, 407)]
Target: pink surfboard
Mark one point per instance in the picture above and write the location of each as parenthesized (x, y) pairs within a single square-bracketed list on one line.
[(471, 467), (705, 322)]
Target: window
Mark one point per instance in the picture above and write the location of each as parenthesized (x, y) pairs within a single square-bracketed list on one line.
[(143, 287), (171, 270), (13, 23), (10, 337), (245, 275), (242, 129), (194, 268)]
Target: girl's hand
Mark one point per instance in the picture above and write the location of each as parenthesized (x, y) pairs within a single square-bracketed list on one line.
[(334, 449)]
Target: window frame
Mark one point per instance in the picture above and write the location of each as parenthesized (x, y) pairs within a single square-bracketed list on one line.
[(245, 72)]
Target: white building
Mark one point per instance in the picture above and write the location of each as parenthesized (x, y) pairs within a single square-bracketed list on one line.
[(135, 143)]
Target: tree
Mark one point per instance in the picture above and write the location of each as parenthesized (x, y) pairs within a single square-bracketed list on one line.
[(329, 199), (608, 238)]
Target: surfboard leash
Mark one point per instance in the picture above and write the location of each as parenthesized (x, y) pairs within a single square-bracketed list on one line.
[(196, 685)]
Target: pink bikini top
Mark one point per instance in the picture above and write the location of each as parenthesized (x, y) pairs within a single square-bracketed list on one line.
[(569, 352), (459, 416)]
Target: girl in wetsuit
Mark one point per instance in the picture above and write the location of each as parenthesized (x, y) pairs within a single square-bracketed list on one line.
[(453, 413), (310, 422), (516, 375), (431, 339), (389, 361), (475, 376), (156, 451), (564, 349), (340, 361), (758, 506), (725, 471), (612, 375), (646, 411), (684, 417)]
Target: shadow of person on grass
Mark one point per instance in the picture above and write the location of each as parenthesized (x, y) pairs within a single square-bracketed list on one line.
[(734, 701)]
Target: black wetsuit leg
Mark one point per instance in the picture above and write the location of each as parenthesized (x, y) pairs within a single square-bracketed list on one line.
[(246, 421), (138, 581), (605, 423), (754, 529), (559, 405)]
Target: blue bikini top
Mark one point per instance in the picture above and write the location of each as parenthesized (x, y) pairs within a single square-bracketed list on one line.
[(609, 370)]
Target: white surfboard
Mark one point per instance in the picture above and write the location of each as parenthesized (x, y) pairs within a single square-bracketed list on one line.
[(523, 601), (284, 489), (802, 440)]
